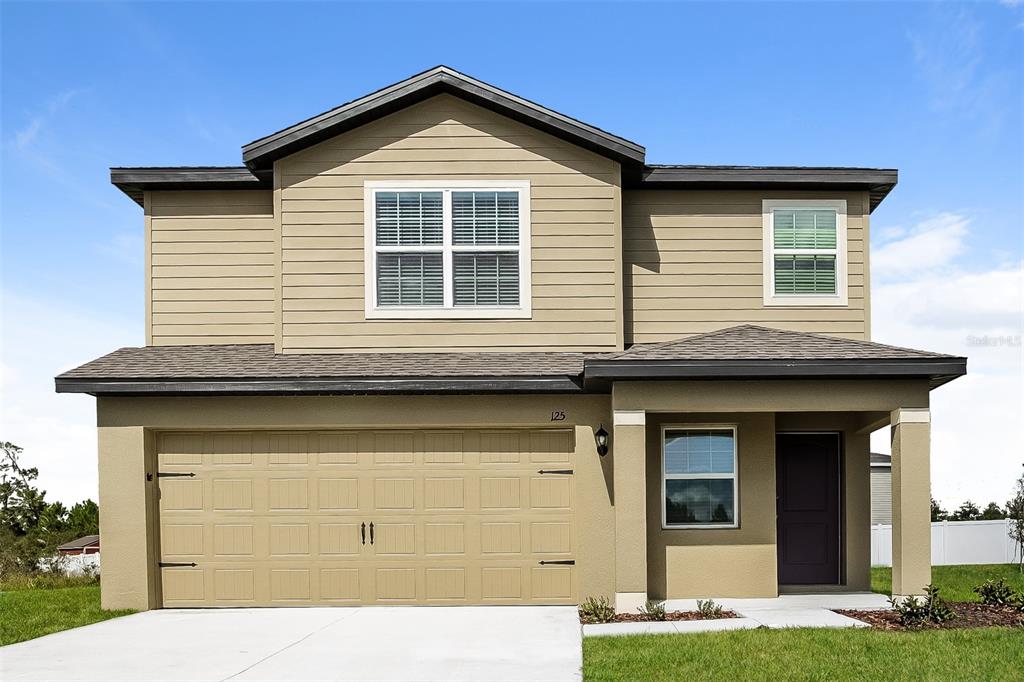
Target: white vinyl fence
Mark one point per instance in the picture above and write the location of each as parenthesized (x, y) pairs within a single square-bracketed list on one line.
[(75, 564), (954, 543)]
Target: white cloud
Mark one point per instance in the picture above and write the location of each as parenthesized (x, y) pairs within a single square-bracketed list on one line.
[(935, 242), (978, 420), (41, 339)]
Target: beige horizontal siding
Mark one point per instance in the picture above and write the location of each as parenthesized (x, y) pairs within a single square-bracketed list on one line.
[(881, 495), (694, 264), (211, 267), (573, 202)]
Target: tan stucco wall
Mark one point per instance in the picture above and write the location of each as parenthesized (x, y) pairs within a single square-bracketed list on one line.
[(911, 520), (129, 535), (128, 521), (726, 562), (689, 563)]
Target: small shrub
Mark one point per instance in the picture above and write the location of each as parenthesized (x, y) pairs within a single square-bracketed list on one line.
[(597, 610), (652, 610), (914, 612), (709, 609), (995, 593)]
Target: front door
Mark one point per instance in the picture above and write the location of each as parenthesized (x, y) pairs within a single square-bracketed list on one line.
[(807, 486)]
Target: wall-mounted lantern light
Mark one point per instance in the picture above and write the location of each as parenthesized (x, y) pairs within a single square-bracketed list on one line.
[(602, 441)]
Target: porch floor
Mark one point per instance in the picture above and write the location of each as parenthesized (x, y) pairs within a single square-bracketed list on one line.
[(795, 610)]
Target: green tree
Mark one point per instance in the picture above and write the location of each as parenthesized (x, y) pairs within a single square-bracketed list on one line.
[(993, 512), (938, 513), (21, 507), (84, 519), (968, 511), (1015, 512), (30, 527)]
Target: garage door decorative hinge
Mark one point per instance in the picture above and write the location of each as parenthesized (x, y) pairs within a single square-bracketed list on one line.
[(561, 562), (555, 471), (167, 474), (172, 564)]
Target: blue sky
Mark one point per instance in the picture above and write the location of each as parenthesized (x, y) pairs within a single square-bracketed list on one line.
[(936, 90)]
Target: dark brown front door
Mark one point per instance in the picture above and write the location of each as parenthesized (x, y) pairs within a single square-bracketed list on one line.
[(807, 485)]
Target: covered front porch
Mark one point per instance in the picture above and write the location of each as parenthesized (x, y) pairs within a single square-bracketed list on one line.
[(756, 488)]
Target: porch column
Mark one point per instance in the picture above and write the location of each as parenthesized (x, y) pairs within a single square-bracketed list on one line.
[(911, 507), (630, 479)]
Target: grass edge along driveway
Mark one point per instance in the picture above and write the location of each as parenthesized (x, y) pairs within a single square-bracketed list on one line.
[(809, 654), (29, 613)]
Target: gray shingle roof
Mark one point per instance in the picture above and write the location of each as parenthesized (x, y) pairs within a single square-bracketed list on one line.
[(258, 361), (743, 351), (752, 342)]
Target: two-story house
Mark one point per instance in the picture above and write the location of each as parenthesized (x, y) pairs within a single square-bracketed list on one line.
[(443, 345)]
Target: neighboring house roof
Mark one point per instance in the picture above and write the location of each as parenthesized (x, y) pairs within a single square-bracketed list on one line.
[(746, 351), (80, 543), (260, 154), (880, 460)]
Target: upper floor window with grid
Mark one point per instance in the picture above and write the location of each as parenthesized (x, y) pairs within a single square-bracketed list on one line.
[(448, 251), (805, 258)]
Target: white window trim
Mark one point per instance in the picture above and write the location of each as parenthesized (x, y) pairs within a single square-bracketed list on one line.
[(841, 297), (448, 310), (735, 477)]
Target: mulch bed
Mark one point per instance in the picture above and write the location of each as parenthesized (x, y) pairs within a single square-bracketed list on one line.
[(670, 615), (968, 615)]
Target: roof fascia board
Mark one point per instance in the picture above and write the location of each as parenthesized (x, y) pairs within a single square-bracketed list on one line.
[(318, 386), (135, 181), (877, 181), (674, 369), (260, 153)]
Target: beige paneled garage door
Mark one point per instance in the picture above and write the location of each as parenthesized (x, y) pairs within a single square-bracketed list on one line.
[(367, 517)]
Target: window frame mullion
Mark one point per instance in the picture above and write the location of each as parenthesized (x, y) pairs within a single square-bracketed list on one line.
[(447, 261)]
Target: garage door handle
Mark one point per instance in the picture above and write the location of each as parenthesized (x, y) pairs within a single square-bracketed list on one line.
[(362, 531), (371, 532)]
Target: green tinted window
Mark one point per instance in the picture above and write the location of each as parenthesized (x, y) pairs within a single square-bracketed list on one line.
[(805, 274), (805, 229)]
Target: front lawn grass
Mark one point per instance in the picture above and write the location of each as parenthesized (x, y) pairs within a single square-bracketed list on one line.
[(809, 654), (955, 583), (30, 613)]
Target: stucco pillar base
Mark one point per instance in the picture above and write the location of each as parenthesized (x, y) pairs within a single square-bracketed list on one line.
[(911, 494), (629, 602), (629, 467)]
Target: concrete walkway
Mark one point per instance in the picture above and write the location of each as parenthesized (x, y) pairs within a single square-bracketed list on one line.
[(369, 643), (796, 610), (786, 611)]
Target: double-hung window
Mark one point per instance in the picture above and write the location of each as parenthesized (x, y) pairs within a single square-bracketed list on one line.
[(452, 249), (699, 486), (805, 253)]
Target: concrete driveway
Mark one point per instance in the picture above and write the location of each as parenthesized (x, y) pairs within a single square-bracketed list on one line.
[(371, 643)]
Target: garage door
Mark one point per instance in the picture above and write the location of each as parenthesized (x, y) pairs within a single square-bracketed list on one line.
[(367, 517)]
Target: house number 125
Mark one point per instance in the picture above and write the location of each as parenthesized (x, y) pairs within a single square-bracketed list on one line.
[(558, 416)]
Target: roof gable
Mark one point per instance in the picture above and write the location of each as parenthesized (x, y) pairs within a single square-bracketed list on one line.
[(260, 154)]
